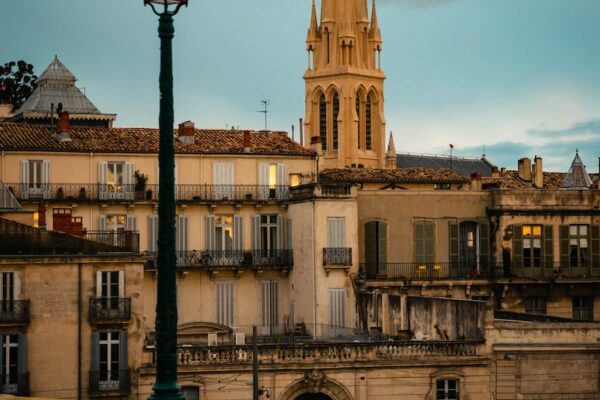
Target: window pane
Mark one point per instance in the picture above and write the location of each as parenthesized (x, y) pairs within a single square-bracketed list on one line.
[(526, 230), (583, 230), (573, 230), (537, 230)]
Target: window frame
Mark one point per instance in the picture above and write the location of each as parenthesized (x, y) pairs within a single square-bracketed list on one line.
[(582, 259), (536, 305), (530, 258), (581, 310)]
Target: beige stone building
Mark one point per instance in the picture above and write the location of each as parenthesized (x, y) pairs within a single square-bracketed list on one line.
[(368, 274)]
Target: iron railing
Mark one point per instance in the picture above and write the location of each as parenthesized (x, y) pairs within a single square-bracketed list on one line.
[(85, 192), (337, 256), (109, 309), (230, 258), (14, 311), (110, 381), (311, 190), (15, 384), (517, 316), (128, 241), (492, 271)]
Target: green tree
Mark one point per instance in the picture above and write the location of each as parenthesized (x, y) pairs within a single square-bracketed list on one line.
[(17, 82)]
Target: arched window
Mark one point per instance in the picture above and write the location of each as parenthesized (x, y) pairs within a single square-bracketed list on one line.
[(369, 123), (327, 45), (375, 248), (336, 112), (323, 121), (359, 121)]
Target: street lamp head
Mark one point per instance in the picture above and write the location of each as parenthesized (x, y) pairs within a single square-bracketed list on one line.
[(166, 4)]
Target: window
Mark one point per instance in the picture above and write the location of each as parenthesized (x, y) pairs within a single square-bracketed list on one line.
[(35, 174), (115, 179), (223, 179), (108, 370), (447, 389), (375, 248), (359, 120), (535, 305), (368, 123), (10, 347), (8, 287), (424, 242), (269, 312), (109, 288), (532, 246), (336, 112), (336, 232), (578, 246), (337, 308), (295, 180), (190, 392), (583, 308), (224, 292), (271, 181), (323, 121), (224, 232), (114, 176), (269, 230), (442, 186), (35, 177)]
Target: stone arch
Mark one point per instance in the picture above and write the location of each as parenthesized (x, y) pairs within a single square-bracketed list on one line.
[(313, 382), (331, 91)]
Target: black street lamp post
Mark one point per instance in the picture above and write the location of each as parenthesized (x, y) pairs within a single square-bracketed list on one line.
[(166, 386)]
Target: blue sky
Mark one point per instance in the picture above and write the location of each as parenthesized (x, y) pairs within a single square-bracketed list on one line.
[(520, 77)]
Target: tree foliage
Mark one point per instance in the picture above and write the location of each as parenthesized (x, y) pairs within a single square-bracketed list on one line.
[(17, 82)]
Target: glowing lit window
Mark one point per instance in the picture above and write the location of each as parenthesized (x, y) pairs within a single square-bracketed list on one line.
[(272, 176), (36, 219), (224, 232), (295, 179)]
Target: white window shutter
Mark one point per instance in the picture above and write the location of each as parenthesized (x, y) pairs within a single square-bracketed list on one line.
[(337, 307), (281, 181), (182, 233), (128, 175), (263, 181), (102, 189), (238, 232), (330, 232), (102, 223), (25, 179), (98, 284), (45, 178), (122, 284), (209, 233), (264, 303), (131, 223), (152, 233), (256, 233), (17, 285)]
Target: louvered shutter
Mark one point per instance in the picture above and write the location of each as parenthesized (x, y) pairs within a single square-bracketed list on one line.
[(336, 235), (256, 245), (131, 223), (484, 245), (225, 299), (263, 181), (182, 234), (337, 307), (209, 233), (152, 233), (238, 229), (123, 350), (24, 179), (102, 223), (22, 355), (45, 179), (429, 242), (128, 186), (382, 246), (16, 285), (517, 246), (453, 247), (269, 310), (548, 248), (371, 248), (95, 356), (563, 234), (281, 181), (595, 242), (419, 242), (99, 281), (279, 232), (122, 284), (102, 188)]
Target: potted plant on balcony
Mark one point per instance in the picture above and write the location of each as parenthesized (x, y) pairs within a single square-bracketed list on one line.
[(140, 184)]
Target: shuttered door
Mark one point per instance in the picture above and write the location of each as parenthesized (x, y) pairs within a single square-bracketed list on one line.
[(102, 188), (484, 246), (238, 229), (223, 178), (181, 233), (429, 242), (595, 242), (281, 189), (419, 242), (209, 233), (337, 307), (224, 292), (24, 179), (453, 246), (336, 232), (517, 246), (45, 179), (563, 234), (263, 181), (548, 248), (269, 307)]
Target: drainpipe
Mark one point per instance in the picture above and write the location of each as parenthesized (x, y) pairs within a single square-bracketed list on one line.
[(314, 250), (79, 327)]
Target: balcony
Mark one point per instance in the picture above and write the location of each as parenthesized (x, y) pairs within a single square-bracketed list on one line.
[(201, 193), (109, 382), (230, 259), (337, 256), (15, 384), (126, 241), (109, 310), (322, 190), (14, 312)]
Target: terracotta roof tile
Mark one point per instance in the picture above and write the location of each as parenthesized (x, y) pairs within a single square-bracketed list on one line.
[(406, 175), (510, 180), (23, 137)]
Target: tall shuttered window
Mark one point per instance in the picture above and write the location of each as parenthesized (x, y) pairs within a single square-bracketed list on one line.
[(336, 112), (225, 302), (375, 248), (578, 246), (337, 308), (269, 306), (424, 242), (109, 361), (369, 123), (323, 121)]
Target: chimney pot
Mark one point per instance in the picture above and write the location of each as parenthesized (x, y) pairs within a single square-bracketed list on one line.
[(186, 132), (247, 141), (524, 170), (538, 173), (495, 172), (63, 122), (315, 145)]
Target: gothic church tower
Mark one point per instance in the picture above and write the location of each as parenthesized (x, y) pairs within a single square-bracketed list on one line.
[(344, 85)]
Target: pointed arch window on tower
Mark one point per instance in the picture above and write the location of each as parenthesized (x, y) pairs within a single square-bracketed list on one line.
[(368, 122), (358, 131), (323, 121), (326, 36), (336, 113)]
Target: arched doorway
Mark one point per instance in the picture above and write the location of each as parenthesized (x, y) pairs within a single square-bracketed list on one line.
[(313, 396)]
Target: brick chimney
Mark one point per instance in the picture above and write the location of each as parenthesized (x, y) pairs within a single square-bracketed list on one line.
[(524, 169), (315, 145), (185, 133), (247, 142), (63, 127), (476, 181), (538, 172), (495, 172)]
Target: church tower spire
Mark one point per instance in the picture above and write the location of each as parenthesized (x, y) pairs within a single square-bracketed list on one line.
[(344, 84)]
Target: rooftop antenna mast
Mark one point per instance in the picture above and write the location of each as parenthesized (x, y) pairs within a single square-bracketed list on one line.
[(451, 148), (265, 104)]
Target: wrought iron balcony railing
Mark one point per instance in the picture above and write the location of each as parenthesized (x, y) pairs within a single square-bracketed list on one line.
[(463, 270), (312, 190), (86, 192), (15, 384), (14, 311), (337, 256), (216, 259), (128, 241), (109, 309), (110, 381)]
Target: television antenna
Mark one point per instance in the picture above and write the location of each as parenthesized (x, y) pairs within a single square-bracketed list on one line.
[(265, 104)]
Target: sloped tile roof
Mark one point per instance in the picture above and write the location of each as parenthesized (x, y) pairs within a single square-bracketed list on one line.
[(405, 175), (464, 166), (24, 137), (577, 177), (510, 180)]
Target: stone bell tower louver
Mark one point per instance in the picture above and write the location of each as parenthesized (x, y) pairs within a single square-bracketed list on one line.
[(344, 85)]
